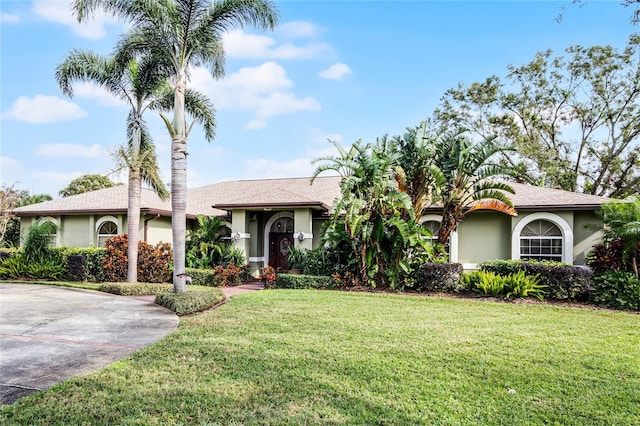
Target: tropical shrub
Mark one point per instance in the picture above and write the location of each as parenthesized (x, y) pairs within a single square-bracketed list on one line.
[(513, 285), (6, 253), (297, 258), (622, 222), (233, 256), (438, 277), (561, 281), (608, 256), (18, 267), (154, 263), (190, 301), (303, 281), (227, 275), (324, 261), (616, 289), (207, 245)]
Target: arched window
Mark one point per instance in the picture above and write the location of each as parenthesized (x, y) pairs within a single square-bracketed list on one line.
[(282, 224), (107, 228), (541, 240), (52, 226), (432, 223)]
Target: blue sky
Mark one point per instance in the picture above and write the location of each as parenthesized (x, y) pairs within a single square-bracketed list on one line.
[(340, 70)]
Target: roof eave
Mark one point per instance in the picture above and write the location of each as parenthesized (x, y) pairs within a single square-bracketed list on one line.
[(318, 205)]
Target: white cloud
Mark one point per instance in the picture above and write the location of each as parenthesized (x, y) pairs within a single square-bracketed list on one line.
[(93, 91), (66, 150), (335, 72), (57, 176), (238, 44), (264, 90), (299, 29), (60, 12), (43, 109), (264, 168), (8, 18)]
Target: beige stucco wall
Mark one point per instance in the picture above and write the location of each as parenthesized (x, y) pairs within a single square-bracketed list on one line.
[(584, 234), (318, 225), (158, 230), (484, 236)]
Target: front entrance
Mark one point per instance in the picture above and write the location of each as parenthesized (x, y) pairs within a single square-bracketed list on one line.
[(279, 245)]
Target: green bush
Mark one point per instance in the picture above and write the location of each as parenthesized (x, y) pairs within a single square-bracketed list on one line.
[(516, 285), (20, 267), (206, 277), (154, 263), (135, 289), (191, 301), (322, 261), (93, 258), (6, 253), (616, 289), (561, 281), (76, 268), (438, 277), (303, 281)]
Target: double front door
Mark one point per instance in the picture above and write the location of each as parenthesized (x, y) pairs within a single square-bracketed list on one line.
[(279, 245)]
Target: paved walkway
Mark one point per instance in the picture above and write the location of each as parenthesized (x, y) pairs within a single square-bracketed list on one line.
[(49, 334)]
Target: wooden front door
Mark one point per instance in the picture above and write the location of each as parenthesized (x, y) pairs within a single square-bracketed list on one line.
[(279, 245)]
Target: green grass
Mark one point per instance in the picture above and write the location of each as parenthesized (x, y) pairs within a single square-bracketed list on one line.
[(323, 357)]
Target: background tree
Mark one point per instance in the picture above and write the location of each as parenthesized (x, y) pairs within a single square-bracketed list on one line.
[(11, 198), (184, 33), (86, 183), (574, 119)]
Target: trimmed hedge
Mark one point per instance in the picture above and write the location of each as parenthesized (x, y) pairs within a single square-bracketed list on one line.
[(206, 277), (561, 281), (302, 281), (93, 266), (439, 278), (191, 301), (135, 289)]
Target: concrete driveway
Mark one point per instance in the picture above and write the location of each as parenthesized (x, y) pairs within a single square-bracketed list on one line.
[(48, 334)]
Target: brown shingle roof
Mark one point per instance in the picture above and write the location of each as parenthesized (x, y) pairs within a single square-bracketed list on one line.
[(275, 193), (109, 200)]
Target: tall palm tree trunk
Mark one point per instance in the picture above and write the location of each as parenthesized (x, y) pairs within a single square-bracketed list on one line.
[(133, 223), (179, 185)]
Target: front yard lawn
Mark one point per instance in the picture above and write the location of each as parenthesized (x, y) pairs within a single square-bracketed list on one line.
[(324, 357)]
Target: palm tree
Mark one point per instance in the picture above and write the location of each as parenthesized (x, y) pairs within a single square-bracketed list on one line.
[(183, 33), (416, 173), (469, 186), (143, 86)]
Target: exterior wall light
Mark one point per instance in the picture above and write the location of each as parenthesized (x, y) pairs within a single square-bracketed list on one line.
[(301, 236)]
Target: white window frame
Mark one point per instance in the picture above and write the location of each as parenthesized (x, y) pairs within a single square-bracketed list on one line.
[(54, 238), (453, 237), (565, 228), (100, 222)]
